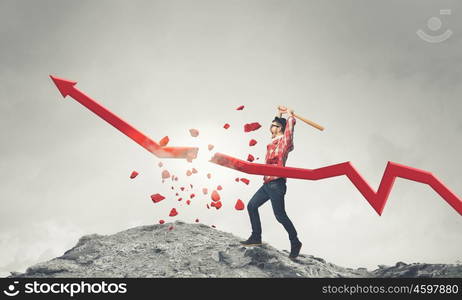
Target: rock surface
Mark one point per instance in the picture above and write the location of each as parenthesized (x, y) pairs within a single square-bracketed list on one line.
[(197, 250)]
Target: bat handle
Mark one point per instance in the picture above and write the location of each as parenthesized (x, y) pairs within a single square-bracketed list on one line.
[(315, 125)]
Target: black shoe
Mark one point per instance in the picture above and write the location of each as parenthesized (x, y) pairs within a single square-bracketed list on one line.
[(295, 249), (251, 241)]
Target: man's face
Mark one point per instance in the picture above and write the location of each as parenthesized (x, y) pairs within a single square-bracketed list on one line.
[(275, 129)]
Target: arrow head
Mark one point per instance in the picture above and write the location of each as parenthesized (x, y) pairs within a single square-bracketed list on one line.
[(64, 86)]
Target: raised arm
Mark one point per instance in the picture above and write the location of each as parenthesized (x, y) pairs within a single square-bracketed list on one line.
[(289, 133)]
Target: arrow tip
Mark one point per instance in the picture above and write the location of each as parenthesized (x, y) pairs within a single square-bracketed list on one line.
[(64, 86)]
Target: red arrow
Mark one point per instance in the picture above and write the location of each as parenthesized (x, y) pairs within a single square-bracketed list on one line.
[(67, 87), (376, 199)]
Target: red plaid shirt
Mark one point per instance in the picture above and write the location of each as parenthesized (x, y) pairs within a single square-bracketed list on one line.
[(278, 150)]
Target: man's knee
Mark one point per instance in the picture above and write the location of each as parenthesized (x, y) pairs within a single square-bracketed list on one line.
[(251, 206), (282, 218)]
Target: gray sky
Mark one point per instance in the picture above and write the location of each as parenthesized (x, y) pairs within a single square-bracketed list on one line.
[(356, 67)]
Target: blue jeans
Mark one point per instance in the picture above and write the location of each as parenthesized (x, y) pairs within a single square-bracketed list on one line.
[(274, 190)]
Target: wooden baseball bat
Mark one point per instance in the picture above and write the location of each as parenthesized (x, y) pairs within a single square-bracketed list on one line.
[(315, 125)]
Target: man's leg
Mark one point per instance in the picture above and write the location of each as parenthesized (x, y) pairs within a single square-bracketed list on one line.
[(257, 200), (276, 190)]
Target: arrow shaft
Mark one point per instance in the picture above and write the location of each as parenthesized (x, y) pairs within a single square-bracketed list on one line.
[(376, 199), (130, 131)]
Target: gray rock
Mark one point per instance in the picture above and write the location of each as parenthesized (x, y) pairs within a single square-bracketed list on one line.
[(197, 250)]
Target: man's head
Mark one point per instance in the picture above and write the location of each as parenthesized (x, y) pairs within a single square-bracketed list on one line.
[(278, 125)]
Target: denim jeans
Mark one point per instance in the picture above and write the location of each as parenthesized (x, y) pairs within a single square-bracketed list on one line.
[(274, 190)]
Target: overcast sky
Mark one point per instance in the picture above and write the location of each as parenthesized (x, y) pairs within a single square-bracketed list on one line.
[(356, 67)]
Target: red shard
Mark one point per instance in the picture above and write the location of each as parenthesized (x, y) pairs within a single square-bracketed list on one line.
[(210, 147), (197, 220), (164, 141), (245, 180), (208, 206), (250, 158), (226, 126), (215, 196), (188, 201), (157, 198), (239, 205), (133, 174), (213, 226), (194, 132), (191, 185), (179, 199), (217, 204), (237, 179), (240, 107), (165, 174), (161, 221), (192, 196), (182, 188), (219, 187), (170, 228), (251, 126), (252, 142), (173, 212)]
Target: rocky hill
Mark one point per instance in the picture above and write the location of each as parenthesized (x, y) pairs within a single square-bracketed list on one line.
[(197, 250)]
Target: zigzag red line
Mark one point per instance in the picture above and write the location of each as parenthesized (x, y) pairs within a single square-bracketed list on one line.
[(376, 199)]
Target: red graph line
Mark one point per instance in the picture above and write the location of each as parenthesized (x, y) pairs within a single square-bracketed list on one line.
[(376, 199), (66, 87)]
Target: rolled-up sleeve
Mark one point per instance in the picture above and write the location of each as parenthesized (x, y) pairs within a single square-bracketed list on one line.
[(289, 134)]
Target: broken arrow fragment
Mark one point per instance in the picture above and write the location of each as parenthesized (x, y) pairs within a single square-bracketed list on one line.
[(251, 126), (217, 204), (173, 212), (133, 174), (215, 196), (194, 132), (239, 205), (157, 198), (165, 174), (164, 141), (245, 180)]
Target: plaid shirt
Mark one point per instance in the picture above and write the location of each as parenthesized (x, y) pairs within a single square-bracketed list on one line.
[(278, 150)]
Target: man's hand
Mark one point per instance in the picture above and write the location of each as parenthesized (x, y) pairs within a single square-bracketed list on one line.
[(284, 110)]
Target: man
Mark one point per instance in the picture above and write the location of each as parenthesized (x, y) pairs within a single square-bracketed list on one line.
[(273, 187)]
